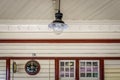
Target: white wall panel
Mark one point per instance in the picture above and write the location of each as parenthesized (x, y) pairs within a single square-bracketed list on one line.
[(60, 50), (2, 69), (112, 69), (51, 35)]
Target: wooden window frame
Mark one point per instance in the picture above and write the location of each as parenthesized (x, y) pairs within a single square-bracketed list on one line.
[(91, 66), (69, 68)]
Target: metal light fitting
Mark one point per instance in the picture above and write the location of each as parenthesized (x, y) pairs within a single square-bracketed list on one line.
[(58, 25)]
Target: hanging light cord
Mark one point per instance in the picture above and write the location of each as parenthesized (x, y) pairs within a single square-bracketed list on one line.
[(59, 7)]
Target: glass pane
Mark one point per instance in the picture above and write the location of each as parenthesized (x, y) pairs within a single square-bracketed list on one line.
[(95, 69), (71, 74), (67, 69), (62, 63), (82, 63), (71, 69), (88, 63), (88, 74), (62, 69), (82, 69), (82, 75), (95, 64), (62, 75), (95, 74), (89, 69), (66, 63), (66, 74), (71, 63)]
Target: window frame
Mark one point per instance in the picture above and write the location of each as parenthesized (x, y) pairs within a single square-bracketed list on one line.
[(98, 62), (69, 69)]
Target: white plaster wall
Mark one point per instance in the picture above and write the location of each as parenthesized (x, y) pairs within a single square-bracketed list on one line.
[(60, 49)]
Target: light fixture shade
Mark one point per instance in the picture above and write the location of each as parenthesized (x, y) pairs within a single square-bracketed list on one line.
[(57, 27)]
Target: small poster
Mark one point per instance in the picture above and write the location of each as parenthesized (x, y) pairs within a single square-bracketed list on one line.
[(82, 69), (71, 69), (67, 69), (62, 74), (95, 69), (62, 63), (95, 64), (88, 63), (88, 74), (71, 74), (82, 74), (89, 69), (66, 74), (82, 63), (62, 69), (95, 74)]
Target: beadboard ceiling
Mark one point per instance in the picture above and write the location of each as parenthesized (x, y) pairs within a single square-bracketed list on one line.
[(72, 9)]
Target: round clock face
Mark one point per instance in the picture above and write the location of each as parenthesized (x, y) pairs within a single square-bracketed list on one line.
[(32, 67)]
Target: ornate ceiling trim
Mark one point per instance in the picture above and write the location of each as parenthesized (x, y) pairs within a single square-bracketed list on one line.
[(74, 27)]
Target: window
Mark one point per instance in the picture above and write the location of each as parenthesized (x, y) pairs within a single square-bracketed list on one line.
[(89, 69), (67, 69)]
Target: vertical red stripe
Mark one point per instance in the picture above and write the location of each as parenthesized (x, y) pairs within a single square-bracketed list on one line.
[(77, 69), (7, 69), (56, 69), (101, 69)]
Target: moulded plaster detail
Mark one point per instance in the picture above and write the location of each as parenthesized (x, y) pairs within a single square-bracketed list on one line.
[(72, 28)]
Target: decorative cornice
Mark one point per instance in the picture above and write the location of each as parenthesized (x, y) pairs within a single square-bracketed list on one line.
[(72, 28), (75, 27)]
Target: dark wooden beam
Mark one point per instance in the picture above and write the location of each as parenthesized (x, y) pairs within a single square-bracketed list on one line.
[(61, 58), (102, 69), (8, 69), (77, 69), (56, 69), (59, 40)]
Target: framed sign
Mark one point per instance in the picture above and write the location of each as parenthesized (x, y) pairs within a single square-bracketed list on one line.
[(32, 67)]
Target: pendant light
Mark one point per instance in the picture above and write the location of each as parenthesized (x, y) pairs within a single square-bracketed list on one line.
[(58, 25)]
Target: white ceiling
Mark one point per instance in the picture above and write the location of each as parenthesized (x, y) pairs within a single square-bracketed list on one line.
[(72, 9)]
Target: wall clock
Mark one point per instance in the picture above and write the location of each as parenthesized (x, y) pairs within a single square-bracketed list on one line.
[(32, 67)]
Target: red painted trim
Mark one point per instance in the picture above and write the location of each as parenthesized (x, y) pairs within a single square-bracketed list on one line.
[(7, 69), (77, 69), (61, 58), (56, 69), (59, 40), (102, 69)]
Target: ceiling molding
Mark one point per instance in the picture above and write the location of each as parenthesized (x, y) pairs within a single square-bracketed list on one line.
[(74, 27), (45, 22)]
